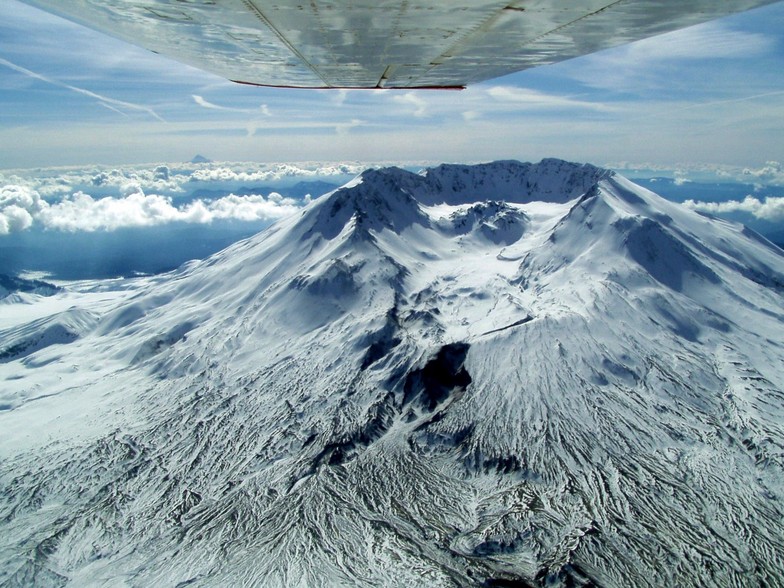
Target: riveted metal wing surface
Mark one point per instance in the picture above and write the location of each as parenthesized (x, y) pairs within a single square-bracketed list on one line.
[(382, 43)]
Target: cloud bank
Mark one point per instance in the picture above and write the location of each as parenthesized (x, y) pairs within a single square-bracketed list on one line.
[(107, 199), (21, 208), (769, 209), (771, 173), (104, 199), (225, 174), (173, 179)]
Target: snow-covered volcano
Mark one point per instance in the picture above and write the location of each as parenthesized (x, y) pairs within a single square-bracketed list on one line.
[(501, 375)]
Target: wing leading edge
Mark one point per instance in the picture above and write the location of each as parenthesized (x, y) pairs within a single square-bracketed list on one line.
[(382, 43)]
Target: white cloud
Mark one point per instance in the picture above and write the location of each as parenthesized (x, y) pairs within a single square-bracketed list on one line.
[(20, 196), (202, 102), (54, 183), (681, 177), (173, 179), (81, 212), (655, 62), (22, 207), (771, 172), (227, 174), (263, 109), (770, 209), (710, 40), (533, 99), (15, 219), (339, 96), (251, 208), (344, 128), (18, 204), (413, 100)]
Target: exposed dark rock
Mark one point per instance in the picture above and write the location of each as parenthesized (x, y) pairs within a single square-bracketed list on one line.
[(441, 377)]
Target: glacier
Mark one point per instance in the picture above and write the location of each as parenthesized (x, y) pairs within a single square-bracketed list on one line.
[(504, 374)]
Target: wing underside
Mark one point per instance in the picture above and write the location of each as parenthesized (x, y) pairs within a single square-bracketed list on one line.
[(382, 43)]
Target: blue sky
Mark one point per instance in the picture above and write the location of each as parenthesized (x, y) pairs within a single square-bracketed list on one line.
[(712, 94)]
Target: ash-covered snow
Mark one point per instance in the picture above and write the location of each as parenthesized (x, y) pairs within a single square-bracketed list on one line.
[(505, 374), (15, 285)]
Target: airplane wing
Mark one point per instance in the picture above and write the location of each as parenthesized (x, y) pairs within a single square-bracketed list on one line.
[(382, 43)]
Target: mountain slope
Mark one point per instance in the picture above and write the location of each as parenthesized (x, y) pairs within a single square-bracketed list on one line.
[(10, 285), (509, 374)]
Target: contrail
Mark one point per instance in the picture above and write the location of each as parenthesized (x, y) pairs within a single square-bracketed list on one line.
[(263, 109), (731, 100), (104, 100)]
